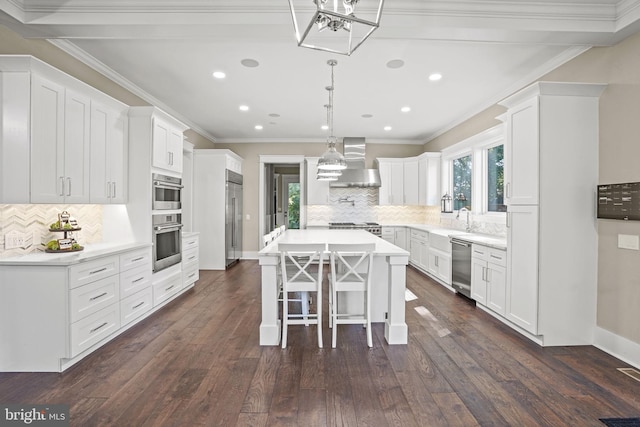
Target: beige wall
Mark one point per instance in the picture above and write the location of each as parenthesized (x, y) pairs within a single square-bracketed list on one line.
[(619, 161)]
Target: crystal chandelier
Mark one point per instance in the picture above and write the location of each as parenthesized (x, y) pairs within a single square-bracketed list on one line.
[(337, 28), (331, 162)]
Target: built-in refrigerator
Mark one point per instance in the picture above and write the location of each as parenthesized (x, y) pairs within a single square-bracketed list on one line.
[(233, 217)]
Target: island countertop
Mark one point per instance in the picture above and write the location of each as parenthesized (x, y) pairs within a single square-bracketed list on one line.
[(383, 248)]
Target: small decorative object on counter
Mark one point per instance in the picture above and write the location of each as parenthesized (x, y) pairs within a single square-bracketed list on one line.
[(445, 203), (67, 225)]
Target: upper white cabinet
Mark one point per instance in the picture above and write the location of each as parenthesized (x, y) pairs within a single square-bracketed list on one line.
[(59, 143), (317, 191), (52, 141), (410, 181), (167, 145), (108, 155), (552, 256)]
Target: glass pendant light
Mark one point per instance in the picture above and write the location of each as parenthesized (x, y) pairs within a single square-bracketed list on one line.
[(331, 159)]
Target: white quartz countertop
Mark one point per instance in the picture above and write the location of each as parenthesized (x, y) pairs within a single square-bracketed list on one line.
[(333, 236), (91, 251)]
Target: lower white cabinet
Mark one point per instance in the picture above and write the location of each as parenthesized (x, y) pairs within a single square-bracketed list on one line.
[(395, 235), (440, 265), (51, 316), (419, 248), (489, 277), (190, 264)]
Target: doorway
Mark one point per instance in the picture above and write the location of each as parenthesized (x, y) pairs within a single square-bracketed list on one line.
[(274, 172)]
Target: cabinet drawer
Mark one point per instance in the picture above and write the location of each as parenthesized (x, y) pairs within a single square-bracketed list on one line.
[(94, 328), (189, 256), (88, 299), (167, 287), (189, 242), (496, 256), (419, 235), (135, 259), (190, 274), (480, 252), (132, 281), (90, 271), (136, 305)]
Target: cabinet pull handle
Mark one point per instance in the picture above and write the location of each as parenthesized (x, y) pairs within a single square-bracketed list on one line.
[(483, 279), (107, 189), (192, 275), (62, 186), (98, 270), (69, 186), (496, 257), (137, 259), (170, 287), (137, 305), (138, 279), (193, 257), (97, 297), (99, 327), (437, 262)]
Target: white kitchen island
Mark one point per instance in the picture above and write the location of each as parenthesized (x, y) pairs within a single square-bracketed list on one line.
[(388, 285)]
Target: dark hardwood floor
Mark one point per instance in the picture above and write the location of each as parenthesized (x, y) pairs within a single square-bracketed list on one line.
[(198, 362)]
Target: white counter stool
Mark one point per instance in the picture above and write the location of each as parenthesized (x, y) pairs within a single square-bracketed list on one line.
[(298, 263), (351, 267)]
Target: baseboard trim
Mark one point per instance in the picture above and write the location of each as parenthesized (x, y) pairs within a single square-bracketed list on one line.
[(617, 346)]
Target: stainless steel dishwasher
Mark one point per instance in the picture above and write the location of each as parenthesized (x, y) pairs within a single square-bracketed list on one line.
[(461, 266)]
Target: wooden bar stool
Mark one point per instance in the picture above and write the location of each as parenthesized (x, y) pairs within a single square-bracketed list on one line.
[(351, 267), (298, 263)]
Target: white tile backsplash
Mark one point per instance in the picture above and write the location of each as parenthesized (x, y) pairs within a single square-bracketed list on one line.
[(37, 218)]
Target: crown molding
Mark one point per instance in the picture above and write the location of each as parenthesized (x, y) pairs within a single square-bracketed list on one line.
[(108, 72)]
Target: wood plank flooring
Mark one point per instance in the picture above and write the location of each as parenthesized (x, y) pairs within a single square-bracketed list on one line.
[(198, 363)]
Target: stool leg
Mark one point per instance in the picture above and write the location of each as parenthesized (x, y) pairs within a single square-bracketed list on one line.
[(333, 314), (304, 302), (319, 308), (285, 317), (368, 319)]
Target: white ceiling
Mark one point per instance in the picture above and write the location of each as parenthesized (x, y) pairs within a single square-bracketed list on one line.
[(166, 50)]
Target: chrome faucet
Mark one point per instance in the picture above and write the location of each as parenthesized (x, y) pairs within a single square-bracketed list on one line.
[(468, 229)]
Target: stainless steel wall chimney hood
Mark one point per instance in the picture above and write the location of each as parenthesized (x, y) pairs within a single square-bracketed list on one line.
[(356, 175)]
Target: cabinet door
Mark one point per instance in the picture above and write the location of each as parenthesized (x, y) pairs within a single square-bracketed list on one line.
[(522, 267), (47, 141), (117, 155), (411, 182), (317, 191), (414, 251), (444, 268), (401, 237), (496, 288), (429, 181), (522, 154), (424, 255), (384, 192), (108, 155), (167, 146), (77, 119), (397, 183), (478, 280)]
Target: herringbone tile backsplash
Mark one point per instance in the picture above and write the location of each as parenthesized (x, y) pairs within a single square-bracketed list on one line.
[(34, 220), (361, 205)]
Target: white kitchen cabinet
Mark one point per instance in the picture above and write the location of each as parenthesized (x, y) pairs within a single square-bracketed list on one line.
[(46, 145), (411, 181), (167, 145), (190, 256), (552, 254), (60, 132), (395, 235), (488, 277), (440, 265), (391, 192), (419, 249), (317, 191), (109, 143), (429, 179)]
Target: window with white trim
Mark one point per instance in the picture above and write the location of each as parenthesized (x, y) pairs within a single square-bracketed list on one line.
[(473, 173)]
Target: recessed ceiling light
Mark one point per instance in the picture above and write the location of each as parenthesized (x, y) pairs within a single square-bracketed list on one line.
[(395, 63), (325, 127), (258, 127), (219, 75), (434, 77), (387, 128), (244, 108), (251, 63), (367, 116), (405, 109)]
